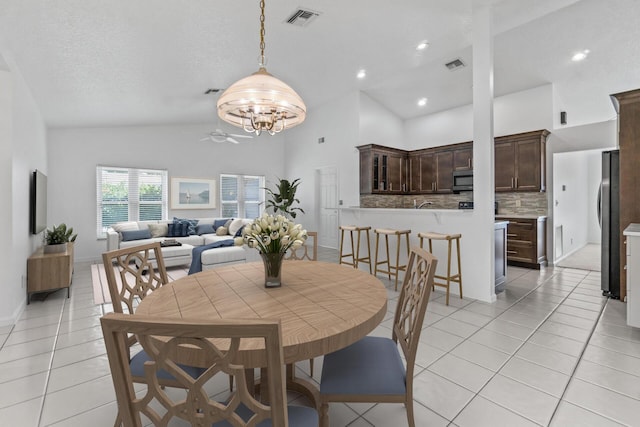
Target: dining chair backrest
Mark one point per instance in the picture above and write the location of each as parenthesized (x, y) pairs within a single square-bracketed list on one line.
[(306, 251), (412, 303), (220, 340), (131, 275)]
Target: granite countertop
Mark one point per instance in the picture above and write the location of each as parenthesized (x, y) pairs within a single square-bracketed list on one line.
[(632, 230), (411, 211), (522, 216)]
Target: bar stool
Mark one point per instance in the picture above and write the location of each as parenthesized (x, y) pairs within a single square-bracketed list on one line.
[(397, 267), (457, 278), (355, 256)]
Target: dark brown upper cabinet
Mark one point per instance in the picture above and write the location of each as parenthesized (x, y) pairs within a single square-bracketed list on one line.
[(519, 166), (463, 156), (520, 161), (383, 170)]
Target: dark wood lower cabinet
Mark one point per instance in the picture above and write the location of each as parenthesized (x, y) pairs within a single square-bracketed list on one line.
[(526, 241)]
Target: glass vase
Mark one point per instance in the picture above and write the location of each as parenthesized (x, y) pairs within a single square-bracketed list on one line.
[(272, 269)]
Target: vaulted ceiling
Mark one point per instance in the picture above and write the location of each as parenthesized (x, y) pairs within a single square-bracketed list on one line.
[(123, 62)]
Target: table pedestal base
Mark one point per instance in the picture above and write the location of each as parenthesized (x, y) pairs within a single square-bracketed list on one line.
[(298, 385)]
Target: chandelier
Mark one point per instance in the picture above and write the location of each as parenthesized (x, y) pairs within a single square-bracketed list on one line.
[(261, 102)]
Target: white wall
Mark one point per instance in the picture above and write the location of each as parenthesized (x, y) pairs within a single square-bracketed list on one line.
[(378, 125), (75, 153), (22, 149), (514, 113), (571, 197), (338, 123)]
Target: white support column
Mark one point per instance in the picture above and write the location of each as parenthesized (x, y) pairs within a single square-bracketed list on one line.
[(483, 144)]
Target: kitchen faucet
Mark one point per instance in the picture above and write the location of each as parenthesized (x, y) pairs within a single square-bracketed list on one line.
[(421, 205)]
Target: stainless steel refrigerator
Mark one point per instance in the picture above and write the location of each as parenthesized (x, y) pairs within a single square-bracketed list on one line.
[(609, 217)]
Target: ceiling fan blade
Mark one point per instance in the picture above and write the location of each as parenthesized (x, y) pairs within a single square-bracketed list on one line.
[(208, 138), (235, 135), (232, 140)]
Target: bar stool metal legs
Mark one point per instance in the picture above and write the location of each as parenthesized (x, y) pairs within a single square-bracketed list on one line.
[(392, 270), (354, 258), (456, 278)]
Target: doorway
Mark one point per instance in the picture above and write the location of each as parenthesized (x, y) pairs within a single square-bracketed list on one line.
[(327, 206), (577, 235)]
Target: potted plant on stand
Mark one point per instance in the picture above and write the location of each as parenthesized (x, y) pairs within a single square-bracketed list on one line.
[(57, 238)]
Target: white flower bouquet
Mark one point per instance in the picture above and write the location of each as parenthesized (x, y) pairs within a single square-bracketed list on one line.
[(273, 234)]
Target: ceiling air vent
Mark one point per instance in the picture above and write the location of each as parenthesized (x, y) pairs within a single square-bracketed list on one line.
[(302, 17), (455, 64)]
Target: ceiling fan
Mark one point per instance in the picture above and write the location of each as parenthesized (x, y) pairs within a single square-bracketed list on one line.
[(219, 135)]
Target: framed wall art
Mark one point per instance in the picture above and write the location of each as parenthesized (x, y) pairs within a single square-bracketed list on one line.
[(193, 193)]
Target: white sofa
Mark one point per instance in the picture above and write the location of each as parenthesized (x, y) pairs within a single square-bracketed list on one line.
[(133, 233)]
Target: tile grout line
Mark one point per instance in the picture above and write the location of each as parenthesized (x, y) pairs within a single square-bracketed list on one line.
[(511, 356), (50, 367)]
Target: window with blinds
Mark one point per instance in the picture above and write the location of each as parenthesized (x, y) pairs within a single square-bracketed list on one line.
[(241, 196), (126, 194)]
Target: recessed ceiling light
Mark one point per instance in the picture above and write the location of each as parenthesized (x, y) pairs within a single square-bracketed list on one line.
[(422, 45), (422, 102), (361, 74), (579, 56)]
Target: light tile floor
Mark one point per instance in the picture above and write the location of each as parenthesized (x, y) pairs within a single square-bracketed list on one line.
[(550, 351)]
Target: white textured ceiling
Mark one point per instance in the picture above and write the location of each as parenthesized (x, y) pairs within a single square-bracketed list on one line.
[(125, 62)]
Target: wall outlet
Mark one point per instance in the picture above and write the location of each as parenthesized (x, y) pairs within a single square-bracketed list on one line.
[(518, 203)]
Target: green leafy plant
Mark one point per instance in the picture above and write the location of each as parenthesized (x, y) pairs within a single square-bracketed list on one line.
[(283, 200), (59, 234)]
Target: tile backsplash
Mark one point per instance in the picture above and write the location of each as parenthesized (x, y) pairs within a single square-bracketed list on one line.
[(508, 203)]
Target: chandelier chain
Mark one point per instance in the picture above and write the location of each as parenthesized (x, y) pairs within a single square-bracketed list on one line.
[(262, 33)]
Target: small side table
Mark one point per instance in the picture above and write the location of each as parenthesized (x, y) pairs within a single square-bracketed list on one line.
[(48, 272)]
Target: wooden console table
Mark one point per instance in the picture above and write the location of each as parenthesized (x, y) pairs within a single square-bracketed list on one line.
[(48, 272)]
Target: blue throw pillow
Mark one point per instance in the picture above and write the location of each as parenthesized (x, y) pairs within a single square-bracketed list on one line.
[(220, 222), (190, 224), (239, 232), (135, 235), (178, 229), (205, 229)]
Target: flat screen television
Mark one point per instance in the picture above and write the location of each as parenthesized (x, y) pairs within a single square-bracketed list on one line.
[(38, 202)]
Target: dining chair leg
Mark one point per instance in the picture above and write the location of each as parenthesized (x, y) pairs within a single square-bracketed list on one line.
[(311, 367), (410, 417), (324, 414)]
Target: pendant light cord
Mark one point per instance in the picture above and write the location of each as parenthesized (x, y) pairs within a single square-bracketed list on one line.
[(262, 63)]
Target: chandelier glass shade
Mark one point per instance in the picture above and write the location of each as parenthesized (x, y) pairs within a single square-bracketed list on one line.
[(261, 102)]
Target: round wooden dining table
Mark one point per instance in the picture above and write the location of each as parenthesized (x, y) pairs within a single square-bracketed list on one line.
[(323, 307)]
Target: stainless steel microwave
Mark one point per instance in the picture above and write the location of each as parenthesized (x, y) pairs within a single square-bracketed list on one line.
[(462, 181)]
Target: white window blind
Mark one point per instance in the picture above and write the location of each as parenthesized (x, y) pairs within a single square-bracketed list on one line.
[(241, 196), (126, 194)]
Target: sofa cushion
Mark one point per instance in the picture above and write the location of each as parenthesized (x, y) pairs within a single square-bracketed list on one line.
[(191, 224), (223, 255), (193, 240), (125, 226), (158, 230), (205, 229), (221, 222), (128, 235), (235, 225), (222, 231)]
